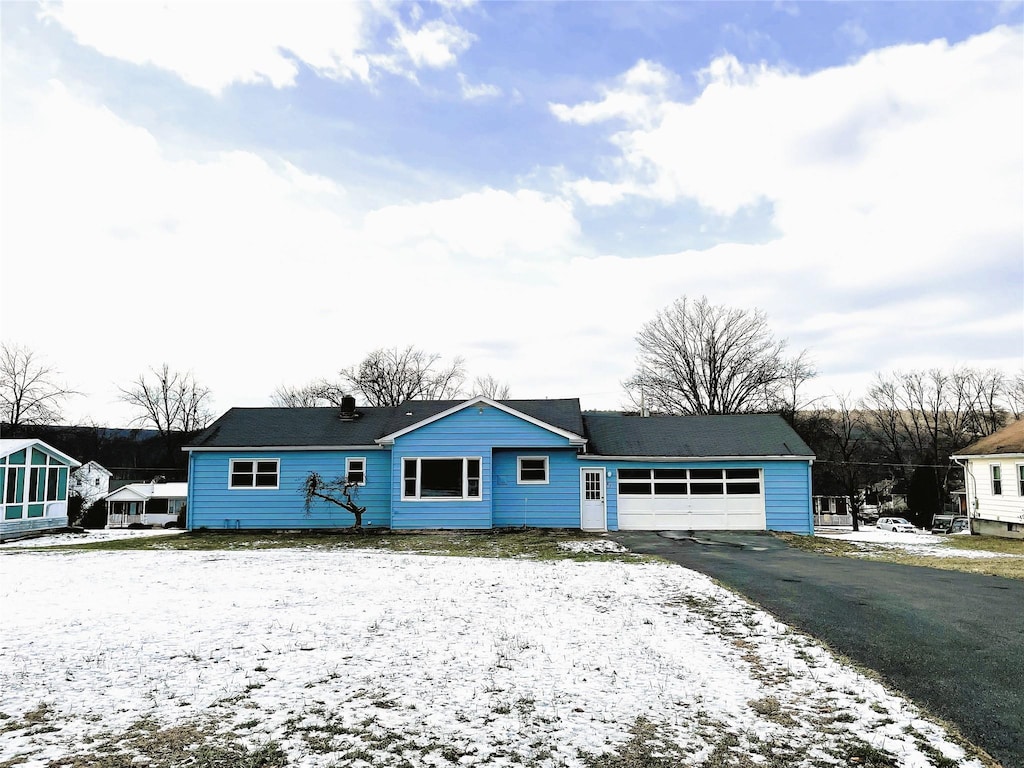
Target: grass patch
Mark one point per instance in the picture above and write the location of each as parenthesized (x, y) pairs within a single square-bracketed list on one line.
[(530, 543), (987, 544), (146, 743), (646, 748), (1007, 567)]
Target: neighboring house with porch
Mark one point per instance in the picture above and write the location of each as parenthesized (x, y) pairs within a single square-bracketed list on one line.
[(91, 481), (33, 488), (149, 504), (994, 477), (481, 464)]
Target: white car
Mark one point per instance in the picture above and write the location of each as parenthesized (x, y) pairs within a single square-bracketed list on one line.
[(895, 524)]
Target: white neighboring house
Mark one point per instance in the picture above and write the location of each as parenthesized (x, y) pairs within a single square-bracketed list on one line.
[(152, 504), (33, 488), (91, 481), (994, 475)]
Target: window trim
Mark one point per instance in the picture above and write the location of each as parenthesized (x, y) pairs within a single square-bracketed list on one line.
[(519, 470), (348, 468), (254, 487), (995, 476), (1020, 479), (465, 479)]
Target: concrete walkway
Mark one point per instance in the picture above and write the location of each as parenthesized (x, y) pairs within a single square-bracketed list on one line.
[(953, 642)]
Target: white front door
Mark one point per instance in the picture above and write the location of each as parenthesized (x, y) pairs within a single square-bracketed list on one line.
[(592, 502)]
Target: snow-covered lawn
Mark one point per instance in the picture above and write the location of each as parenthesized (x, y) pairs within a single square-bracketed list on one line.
[(99, 534), (357, 658), (923, 543)]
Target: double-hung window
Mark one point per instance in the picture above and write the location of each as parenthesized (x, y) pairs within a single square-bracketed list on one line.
[(255, 473), (355, 470), (1020, 479), (997, 479), (532, 470), (443, 479)]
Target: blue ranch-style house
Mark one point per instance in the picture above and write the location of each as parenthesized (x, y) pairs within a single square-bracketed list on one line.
[(481, 464)]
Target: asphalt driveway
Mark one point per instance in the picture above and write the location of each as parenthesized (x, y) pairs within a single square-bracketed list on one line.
[(953, 642)]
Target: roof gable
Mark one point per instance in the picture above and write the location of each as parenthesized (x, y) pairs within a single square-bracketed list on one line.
[(504, 406), (9, 446)]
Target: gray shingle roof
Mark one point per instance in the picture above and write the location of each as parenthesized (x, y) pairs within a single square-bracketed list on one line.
[(609, 434), (618, 434), (303, 427)]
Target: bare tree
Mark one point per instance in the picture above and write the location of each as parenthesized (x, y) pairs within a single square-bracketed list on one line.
[(797, 371), (1015, 395), (488, 386), (699, 358), (842, 451), (307, 396), (30, 391), (389, 377), (337, 491), (169, 401)]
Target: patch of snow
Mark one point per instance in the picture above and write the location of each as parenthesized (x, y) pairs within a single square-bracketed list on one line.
[(511, 661), (597, 546), (924, 544), (90, 534)]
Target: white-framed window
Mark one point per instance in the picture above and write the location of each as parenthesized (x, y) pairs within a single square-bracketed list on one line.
[(996, 473), (441, 479), (355, 470), (532, 470), (666, 481), (255, 473), (1020, 479)]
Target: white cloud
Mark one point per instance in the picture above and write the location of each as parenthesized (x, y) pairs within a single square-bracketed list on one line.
[(637, 97), (214, 45), (472, 91), (911, 150), (436, 44), (489, 224)]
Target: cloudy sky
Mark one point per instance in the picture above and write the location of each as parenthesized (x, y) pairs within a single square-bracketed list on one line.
[(262, 194)]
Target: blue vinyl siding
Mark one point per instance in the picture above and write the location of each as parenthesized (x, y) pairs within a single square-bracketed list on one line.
[(212, 504), (471, 432), (788, 496), (787, 489), (554, 505)]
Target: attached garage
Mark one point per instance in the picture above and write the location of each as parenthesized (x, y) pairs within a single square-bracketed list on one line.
[(696, 498), (742, 472)]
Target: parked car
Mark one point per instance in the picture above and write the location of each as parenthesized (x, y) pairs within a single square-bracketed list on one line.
[(895, 524), (868, 513), (950, 524)]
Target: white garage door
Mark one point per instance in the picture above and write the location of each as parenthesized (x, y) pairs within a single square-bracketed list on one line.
[(664, 499)]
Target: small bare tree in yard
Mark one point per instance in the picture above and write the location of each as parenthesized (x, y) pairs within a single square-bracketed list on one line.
[(337, 491), (30, 391), (699, 358), (169, 401)]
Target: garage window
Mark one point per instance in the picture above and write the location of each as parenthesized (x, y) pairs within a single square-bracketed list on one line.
[(689, 482)]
